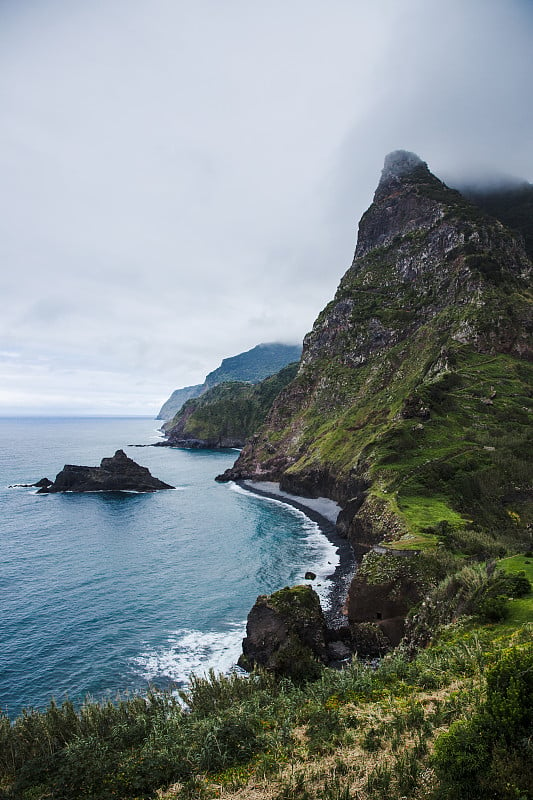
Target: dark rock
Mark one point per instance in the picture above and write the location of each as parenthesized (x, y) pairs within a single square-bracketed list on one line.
[(338, 652), (286, 633), (310, 576), (39, 484), (118, 473), (43, 483), (369, 640), (383, 590)]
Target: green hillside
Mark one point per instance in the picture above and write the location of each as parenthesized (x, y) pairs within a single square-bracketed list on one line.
[(251, 367), (227, 414)]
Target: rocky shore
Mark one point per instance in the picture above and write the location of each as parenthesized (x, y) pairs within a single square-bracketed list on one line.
[(324, 512)]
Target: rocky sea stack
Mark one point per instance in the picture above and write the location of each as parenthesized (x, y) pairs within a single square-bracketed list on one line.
[(115, 474)]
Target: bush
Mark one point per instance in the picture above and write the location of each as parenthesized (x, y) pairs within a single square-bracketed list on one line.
[(493, 609), (518, 584), (489, 755)]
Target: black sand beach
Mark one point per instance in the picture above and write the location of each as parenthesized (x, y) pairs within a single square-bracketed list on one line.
[(324, 512)]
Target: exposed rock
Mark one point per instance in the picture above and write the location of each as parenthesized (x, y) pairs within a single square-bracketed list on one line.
[(369, 640), (383, 590), (310, 576), (118, 473), (39, 484), (338, 652), (286, 633), (43, 483)]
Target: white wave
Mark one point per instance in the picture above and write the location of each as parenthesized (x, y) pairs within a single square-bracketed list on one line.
[(188, 652), (323, 558)]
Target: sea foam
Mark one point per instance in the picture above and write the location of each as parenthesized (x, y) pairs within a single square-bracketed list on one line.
[(188, 652)]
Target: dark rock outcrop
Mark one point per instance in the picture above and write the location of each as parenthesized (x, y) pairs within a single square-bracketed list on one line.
[(286, 633), (118, 473)]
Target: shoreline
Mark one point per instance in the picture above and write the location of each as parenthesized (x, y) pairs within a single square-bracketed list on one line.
[(324, 512)]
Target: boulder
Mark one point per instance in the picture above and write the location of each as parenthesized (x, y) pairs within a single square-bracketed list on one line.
[(118, 473), (286, 633)]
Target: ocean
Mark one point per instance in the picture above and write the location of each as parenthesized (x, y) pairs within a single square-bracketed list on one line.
[(106, 593)]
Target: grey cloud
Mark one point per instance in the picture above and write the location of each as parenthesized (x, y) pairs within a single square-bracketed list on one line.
[(181, 181)]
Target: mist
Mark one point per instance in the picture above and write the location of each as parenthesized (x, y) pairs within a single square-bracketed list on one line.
[(182, 182)]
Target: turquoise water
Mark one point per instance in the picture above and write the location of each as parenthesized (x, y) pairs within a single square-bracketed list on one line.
[(101, 593)]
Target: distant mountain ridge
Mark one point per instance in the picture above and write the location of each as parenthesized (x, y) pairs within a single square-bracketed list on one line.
[(228, 414), (251, 366)]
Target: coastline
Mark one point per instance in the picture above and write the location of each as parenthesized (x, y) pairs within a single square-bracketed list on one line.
[(324, 512)]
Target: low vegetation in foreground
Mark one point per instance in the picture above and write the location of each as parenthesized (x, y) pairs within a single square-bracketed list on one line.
[(454, 720)]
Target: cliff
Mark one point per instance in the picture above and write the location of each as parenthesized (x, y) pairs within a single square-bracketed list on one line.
[(227, 414), (252, 366), (177, 399), (411, 404)]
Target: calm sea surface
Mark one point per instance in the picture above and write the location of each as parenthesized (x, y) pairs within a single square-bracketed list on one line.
[(101, 593)]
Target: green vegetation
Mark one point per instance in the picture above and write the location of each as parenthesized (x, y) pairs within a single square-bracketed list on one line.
[(454, 721), (412, 407), (228, 413), (254, 365), (416, 384)]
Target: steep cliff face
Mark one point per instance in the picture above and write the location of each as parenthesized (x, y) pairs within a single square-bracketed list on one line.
[(177, 400), (410, 406)]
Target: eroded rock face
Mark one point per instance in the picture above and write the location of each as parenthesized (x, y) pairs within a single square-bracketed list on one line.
[(383, 590), (118, 473), (286, 633)]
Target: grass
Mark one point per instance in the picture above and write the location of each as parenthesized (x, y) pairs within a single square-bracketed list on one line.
[(362, 732), (520, 608), (426, 512)]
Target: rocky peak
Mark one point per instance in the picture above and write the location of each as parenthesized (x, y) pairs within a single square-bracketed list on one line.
[(399, 166), (117, 462), (408, 198), (432, 275)]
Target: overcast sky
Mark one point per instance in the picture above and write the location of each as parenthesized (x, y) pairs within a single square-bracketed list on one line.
[(183, 180)]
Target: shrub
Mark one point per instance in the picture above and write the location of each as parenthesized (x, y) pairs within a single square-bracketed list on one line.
[(493, 609), (489, 754)]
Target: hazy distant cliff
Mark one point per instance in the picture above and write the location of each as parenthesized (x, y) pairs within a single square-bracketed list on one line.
[(227, 414), (252, 366)]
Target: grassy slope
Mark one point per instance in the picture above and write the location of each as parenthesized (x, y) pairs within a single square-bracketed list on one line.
[(460, 464), (358, 733)]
